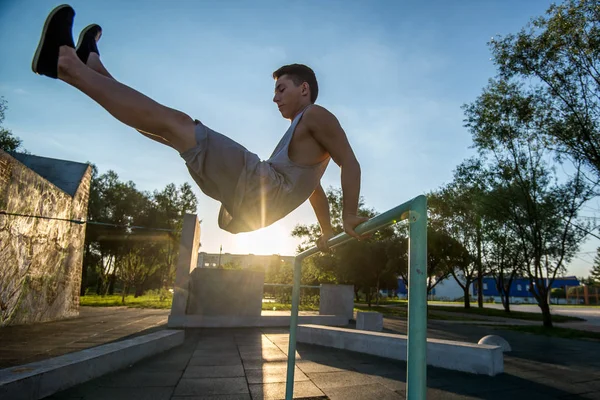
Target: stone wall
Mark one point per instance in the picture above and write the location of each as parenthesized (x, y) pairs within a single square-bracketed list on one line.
[(225, 292), (40, 259)]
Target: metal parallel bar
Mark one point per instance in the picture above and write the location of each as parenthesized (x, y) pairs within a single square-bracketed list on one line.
[(416, 209), (416, 368), (291, 364)]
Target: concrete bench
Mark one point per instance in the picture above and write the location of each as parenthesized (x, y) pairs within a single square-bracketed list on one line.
[(458, 356), (40, 379), (369, 321)]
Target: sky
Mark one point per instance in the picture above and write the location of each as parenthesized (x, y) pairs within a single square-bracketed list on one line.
[(395, 73)]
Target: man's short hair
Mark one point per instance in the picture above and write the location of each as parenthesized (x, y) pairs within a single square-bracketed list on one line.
[(300, 73)]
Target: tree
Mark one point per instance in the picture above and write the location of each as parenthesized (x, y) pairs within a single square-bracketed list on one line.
[(540, 207), (444, 255), (8, 141), (502, 253), (115, 210), (595, 271), (561, 52), (458, 210)]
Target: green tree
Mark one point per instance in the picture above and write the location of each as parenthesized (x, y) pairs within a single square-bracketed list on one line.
[(595, 271), (149, 223), (444, 255), (8, 141), (502, 251), (560, 52), (540, 208), (458, 210)]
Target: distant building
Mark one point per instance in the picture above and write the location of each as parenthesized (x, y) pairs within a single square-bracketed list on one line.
[(244, 261), (520, 290), (446, 290), (450, 290)]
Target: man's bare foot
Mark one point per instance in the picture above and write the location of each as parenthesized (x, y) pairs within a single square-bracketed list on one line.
[(56, 34)]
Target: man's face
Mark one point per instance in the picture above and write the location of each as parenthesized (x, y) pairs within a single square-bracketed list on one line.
[(289, 97)]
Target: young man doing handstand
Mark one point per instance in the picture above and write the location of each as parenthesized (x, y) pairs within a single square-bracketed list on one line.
[(253, 193)]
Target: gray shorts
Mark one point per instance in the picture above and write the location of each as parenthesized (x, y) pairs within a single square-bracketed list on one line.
[(217, 163)]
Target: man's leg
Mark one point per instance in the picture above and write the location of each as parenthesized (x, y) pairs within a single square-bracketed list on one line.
[(94, 63), (127, 105)]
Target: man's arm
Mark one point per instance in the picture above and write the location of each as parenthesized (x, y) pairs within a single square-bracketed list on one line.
[(318, 200), (327, 130)]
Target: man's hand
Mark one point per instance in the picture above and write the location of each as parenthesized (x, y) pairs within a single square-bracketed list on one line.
[(351, 222), (322, 241)]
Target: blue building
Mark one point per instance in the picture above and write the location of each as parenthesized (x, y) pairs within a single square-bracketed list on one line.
[(519, 291)]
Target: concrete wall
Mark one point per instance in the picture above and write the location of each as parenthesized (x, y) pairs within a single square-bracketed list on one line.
[(223, 292), (337, 300), (40, 259)]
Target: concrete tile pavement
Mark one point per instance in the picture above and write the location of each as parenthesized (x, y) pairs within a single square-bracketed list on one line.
[(251, 364), (22, 344), (232, 364)]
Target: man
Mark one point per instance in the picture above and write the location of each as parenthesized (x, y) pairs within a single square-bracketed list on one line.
[(253, 193)]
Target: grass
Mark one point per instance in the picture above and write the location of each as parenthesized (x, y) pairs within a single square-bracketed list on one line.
[(565, 333), (145, 301), (402, 312), (149, 301), (386, 311), (288, 307), (493, 312)]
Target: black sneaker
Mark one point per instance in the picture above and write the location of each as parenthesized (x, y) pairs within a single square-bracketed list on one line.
[(86, 44), (57, 32)]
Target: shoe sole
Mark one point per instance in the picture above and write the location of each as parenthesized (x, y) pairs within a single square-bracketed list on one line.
[(82, 34), (36, 57)]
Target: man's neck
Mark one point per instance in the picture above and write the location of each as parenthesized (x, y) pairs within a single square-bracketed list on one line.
[(300, 109)]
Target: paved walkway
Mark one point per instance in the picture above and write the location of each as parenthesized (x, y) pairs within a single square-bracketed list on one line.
[(236, 364), (23, 344)]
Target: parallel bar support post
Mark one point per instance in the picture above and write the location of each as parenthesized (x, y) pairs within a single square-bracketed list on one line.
[(416, 375), (291, 366)]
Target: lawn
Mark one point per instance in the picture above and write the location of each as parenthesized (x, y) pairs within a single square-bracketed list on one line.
[(145, 301), (402, 312), (493, 312), (153, 301), (565, 333), (287, 307)]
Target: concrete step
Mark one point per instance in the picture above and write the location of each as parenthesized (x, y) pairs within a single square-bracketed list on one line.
[(458, 356), (44, 378)]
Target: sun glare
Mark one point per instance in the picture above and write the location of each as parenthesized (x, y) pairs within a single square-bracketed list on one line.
[(274, 239)]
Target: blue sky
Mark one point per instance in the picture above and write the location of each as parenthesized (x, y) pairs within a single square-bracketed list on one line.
[(395, 73)]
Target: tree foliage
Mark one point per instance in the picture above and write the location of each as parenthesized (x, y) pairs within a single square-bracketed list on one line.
[(8, 141), (141, 250), (595, 271), (560, 54), (540, 207)]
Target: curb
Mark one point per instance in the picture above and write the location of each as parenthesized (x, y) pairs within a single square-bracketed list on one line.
[(44, 378)]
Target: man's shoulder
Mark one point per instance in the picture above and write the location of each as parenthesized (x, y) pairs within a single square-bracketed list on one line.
[(317, 115), (316, 110)]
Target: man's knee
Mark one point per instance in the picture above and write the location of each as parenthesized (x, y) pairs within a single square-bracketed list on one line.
[(181, 130)]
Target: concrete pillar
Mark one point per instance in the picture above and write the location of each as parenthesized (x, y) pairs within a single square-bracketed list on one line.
[(187, 261), (369, 321), (337, 300)]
